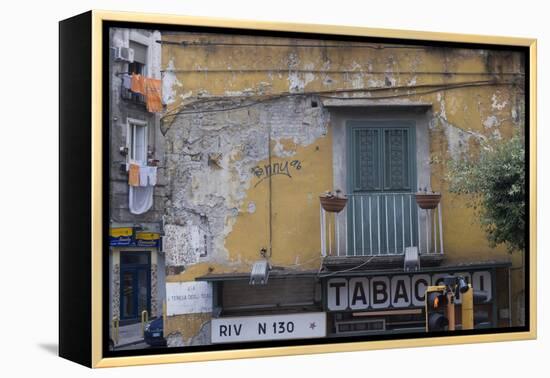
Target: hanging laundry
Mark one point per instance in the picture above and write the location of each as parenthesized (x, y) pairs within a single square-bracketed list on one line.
[(147, 176), (153, 95), (143, 176), (133, 175), (152, 175), (140, 199), (126, 82), (151, 89), (138, 84)]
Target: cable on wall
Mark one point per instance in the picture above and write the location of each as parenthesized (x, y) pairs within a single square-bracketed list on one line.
[(249, 101)]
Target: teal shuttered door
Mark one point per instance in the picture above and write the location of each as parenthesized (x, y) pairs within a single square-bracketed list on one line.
[(382, 212)]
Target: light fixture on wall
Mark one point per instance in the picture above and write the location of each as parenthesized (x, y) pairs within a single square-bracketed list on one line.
[(260, 272)]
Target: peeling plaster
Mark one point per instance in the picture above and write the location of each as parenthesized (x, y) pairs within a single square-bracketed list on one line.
[(442, 111), (390, 80), (175, 340), (186, 240), (490, 122), (251, 207), (280, 151), (186, 95), (170, 83), (205, 201), (357, 79), (327, 80), (456, 137), (297, 81), (457, 140), (495, 105), (375, 83)]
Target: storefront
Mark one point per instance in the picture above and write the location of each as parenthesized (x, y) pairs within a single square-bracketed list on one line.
[(289, 306), (313, 304), (135, 274), (392, 301)]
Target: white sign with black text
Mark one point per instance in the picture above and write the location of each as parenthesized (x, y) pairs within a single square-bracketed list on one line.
[(399, 291), (270, 327), (188, 297)]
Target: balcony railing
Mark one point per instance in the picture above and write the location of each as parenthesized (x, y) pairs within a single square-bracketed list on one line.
[(127, 94), (378, 224)]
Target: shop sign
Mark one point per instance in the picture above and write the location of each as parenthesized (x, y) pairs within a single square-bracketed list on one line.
[(124, 237), (121, 231), (269, 327), (398, 291), (188, 297)]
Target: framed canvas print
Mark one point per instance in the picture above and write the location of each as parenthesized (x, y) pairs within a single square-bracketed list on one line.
[(234, 189)]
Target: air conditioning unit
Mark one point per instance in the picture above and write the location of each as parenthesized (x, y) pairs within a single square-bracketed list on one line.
[(124, 54)]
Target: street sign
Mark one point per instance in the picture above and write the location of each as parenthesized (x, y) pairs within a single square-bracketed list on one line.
[(270, 327), (188, 297)]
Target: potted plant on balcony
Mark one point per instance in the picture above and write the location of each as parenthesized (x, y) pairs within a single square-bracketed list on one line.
[(427, 200), (333, 202)]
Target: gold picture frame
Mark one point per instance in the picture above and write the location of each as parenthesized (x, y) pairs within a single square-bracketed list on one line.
[(92, 264)]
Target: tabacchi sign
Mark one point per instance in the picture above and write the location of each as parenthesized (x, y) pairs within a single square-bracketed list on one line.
[(271, 327), (362, 293)]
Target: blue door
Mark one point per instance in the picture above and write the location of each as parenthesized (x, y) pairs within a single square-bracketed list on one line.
[(382, 211), (135, 285)]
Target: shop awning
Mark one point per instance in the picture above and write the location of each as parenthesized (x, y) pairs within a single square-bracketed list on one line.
[(443, 268)]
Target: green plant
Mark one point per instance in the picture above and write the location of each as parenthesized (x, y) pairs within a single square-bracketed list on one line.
[(494, 182)]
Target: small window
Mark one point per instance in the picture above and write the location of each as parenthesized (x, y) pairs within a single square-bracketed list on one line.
[(137, 141), (136, 68), (140, 53), (140, 258)]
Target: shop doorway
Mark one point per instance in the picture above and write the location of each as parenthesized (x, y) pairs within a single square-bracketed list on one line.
[(135, 285)]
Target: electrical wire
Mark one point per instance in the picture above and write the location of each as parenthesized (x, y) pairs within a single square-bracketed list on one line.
[(269, 157), (256, 70), (407, 94), (303, 263), (347, 90), (324, 94), (346, 270), (293, 45)]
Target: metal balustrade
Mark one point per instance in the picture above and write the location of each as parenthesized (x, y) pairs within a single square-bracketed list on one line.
[(377, 224)]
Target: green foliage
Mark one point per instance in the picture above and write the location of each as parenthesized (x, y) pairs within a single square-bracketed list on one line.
[(495, 186)]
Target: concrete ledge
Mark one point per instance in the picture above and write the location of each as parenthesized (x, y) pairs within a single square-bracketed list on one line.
[(361, 102), (377, 262)]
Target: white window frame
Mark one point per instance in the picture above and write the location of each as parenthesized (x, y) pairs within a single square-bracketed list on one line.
[(131, 123)]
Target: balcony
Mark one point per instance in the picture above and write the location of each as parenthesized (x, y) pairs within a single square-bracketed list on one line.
[(381, 224), (134, 98), (127, 94)]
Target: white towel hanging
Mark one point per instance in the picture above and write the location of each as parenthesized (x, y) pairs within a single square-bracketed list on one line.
[(140, 199)]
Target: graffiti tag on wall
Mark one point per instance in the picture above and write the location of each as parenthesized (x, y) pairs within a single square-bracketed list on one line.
[(282, 168)]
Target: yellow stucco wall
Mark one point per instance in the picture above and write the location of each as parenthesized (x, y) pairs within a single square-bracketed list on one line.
[(295, 210), (225, 70), (460, 117)]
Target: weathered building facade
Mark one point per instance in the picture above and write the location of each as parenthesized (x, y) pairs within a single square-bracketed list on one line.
[(256, 129), (136, 262)]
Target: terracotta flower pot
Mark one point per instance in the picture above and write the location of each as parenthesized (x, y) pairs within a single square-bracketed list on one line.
[(428, 201), (333, 204)]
